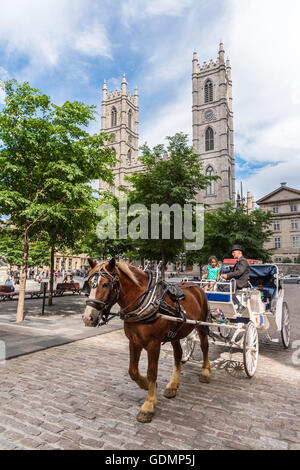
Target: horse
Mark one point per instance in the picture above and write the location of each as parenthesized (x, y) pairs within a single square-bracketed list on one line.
[(112, 282)]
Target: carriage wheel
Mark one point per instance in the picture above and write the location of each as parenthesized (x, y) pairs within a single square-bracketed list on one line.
[(188, 346), (250, 349), (285, 326)]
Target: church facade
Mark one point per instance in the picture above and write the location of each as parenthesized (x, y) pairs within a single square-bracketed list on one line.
[(212, 129)]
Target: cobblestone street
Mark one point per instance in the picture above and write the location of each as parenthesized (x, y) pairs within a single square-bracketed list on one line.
[(79, 396)]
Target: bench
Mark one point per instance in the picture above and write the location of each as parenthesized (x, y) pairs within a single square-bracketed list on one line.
[(6, 293), (73, 287)]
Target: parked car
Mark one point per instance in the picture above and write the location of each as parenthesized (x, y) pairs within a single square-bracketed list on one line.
[(291, 279)]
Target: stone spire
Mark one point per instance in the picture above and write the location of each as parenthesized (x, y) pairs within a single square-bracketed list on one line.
[(124, 84), (104, 91), (221, 53), (195, 62)]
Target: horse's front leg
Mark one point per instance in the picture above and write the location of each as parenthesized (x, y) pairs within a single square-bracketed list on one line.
[(173, 385), (205, 373), (135, 353), (147, 410)]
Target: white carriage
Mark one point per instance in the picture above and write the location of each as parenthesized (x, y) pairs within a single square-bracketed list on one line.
[(265, 311)]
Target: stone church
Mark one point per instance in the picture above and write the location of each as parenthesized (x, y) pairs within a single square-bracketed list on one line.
[(212, 128), (120, 119)]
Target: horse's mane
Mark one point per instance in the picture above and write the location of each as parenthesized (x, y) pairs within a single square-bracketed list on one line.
[(125, 268)]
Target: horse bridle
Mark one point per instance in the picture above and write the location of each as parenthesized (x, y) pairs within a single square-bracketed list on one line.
[(103, 306)]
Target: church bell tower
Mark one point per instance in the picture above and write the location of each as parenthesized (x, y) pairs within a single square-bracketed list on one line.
[(213, 127), (120, 119)]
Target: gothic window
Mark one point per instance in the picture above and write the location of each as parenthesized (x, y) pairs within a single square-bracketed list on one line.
[(210, 188), (208, 91), (129, 156), (129, 139), (209, 139), (229, 182), (129, 119), (113, 117)]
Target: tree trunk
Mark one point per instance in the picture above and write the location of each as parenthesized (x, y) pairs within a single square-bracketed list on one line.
[(51, 281), (23, 278)]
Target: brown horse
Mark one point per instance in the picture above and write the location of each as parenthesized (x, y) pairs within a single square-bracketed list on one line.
[(115, 282)]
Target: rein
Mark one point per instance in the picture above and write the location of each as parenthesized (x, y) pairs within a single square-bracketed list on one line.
[(149, 302)]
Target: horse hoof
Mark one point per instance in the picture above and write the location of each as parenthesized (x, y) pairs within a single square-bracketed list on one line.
[(204, 379), (144, 417), (170, 392)]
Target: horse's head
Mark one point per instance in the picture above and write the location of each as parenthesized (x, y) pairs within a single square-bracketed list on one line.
[(102, 288)]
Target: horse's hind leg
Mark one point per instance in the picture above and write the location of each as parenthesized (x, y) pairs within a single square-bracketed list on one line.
[(173, 385), (147, 410), (135, 353), (205, 373)]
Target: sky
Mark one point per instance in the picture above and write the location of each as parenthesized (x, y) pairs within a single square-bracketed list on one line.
[(66, 48)]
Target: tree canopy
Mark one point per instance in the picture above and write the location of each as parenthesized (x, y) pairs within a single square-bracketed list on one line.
[(47, 160)]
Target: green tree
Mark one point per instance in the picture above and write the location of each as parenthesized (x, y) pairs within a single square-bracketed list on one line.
[(47, 159), (102, 248), (171, 175), (11, 247), (228, 225)]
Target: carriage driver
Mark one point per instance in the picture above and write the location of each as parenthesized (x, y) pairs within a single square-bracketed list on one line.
[(240, 272)]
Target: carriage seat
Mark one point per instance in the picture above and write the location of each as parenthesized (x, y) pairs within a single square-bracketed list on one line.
[(218, 296)]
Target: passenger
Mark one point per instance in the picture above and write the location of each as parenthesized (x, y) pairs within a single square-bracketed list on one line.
[(263, 293), (240, 272), (213, 271)]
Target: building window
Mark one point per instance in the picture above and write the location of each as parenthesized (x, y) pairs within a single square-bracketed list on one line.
[(209, 139), (275, 210), (210, 189), (276, 225), (129, 119), (208, 91), (277, 242), (293, 208), (295, 242), (113, 117), (294, 224), (278, 260), (129, 156), (129, 139)]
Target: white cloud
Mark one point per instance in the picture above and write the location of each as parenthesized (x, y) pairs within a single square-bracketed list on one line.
[(46, 31), (94, 42), (173, 117), (262, 43), (133, 10)]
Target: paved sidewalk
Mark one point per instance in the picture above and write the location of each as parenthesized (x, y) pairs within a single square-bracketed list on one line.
[(61, 324), (79, 396)]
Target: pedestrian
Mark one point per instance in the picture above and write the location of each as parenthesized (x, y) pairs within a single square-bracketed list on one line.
[(9, 282)]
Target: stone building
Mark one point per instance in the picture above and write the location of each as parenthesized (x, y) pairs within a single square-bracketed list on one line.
[(120, 119), (284, 203), (213, 127)]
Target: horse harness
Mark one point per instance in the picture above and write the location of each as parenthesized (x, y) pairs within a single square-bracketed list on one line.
[(149, 305)]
